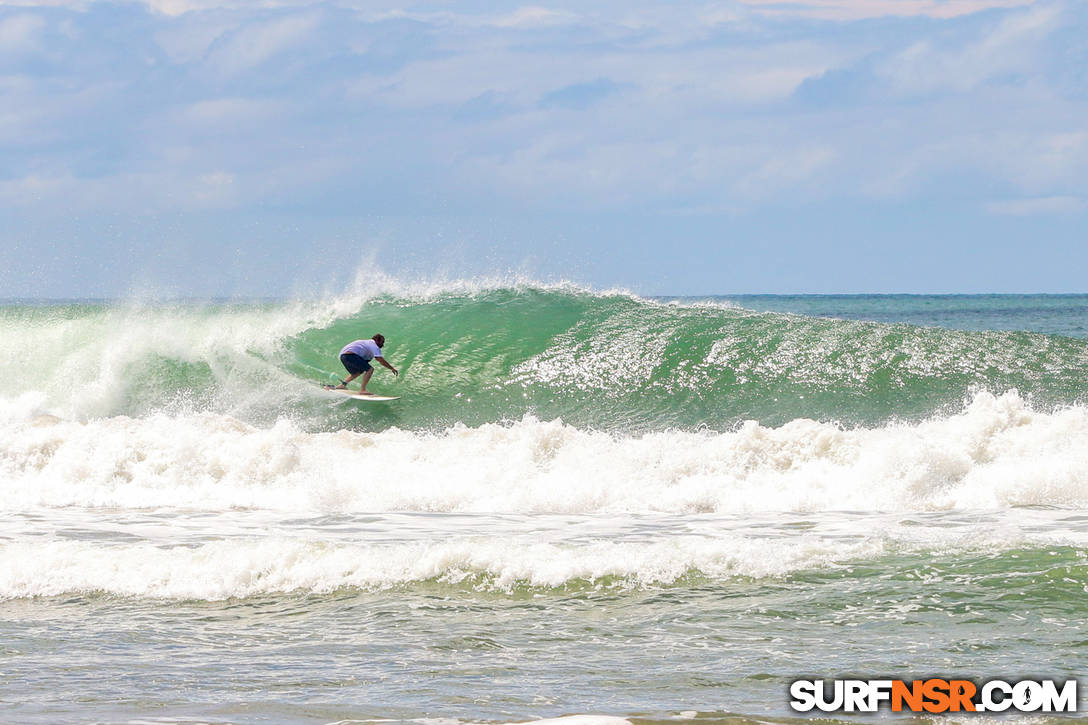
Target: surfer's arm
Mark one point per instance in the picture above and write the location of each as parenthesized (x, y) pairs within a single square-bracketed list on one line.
[(383, 362)]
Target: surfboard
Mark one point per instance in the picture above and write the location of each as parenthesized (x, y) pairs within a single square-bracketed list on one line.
[(362, 398)]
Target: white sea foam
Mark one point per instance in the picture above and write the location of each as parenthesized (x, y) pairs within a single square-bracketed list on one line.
[(500, 561), (242, 568), (579, 720), (997, 453)]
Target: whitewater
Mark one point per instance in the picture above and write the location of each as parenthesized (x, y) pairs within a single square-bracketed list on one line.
[(586, 502)]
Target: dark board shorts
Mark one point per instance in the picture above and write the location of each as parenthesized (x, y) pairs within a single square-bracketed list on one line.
[(354, 363)]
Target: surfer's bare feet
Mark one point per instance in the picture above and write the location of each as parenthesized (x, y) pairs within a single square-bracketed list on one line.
[(365, 392)]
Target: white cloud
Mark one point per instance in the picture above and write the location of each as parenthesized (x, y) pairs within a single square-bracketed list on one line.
[(861, 9), (252, 45), (1038, 206), (186, 41), (158, 189), (76, 4), (1012, 45), (679, 81), (1044, 162), (228, 112), (19, 33), (214, 188), (532, 17), (783, 169), (562, 167), (180, 7), (33, 111)]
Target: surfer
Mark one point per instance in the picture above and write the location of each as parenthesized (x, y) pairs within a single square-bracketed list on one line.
[(356, 357)]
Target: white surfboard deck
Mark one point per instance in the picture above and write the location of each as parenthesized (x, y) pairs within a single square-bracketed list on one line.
[(362, 398)]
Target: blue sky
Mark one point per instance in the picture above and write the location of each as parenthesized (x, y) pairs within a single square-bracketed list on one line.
[(206, 147)]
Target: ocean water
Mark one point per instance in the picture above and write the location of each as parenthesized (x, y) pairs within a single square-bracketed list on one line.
[(585, 504)]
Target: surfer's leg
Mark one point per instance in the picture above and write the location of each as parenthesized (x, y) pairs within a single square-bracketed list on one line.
[(366, 379)]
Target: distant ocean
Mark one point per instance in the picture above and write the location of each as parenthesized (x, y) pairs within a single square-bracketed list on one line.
[(585, 503)]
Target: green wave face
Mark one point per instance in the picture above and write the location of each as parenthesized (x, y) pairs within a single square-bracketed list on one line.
[(606, 361), (623, 362)]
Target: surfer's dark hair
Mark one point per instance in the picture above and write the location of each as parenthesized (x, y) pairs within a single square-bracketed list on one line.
[(380, 339)]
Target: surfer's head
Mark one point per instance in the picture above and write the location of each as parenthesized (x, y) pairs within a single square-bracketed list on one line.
[(379, 339)]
